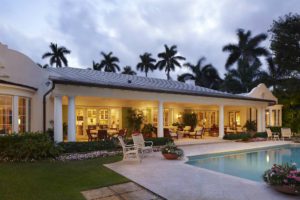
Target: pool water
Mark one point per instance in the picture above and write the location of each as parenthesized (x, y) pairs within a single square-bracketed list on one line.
[(249, 164)]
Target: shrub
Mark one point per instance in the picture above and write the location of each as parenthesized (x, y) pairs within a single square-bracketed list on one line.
[(237, 136), (27, 147), (250, 125), (147, 129), (275, 129), (260, 135), (156, 141), (76, 147)]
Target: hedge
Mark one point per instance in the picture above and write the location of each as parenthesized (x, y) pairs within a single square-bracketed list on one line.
[(236, 136), (260, 135), (275, 129), (156, 141), (75, 147), (27, 147)]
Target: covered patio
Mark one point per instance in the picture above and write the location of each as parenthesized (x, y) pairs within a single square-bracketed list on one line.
[(78, 109)]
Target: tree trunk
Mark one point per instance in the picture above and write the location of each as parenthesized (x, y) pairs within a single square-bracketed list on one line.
[(168, 75)]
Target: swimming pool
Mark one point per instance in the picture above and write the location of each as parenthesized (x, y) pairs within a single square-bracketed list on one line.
[(248, 164)]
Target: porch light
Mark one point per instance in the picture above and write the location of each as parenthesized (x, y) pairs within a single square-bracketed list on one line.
[(19, 121), (268, 159)]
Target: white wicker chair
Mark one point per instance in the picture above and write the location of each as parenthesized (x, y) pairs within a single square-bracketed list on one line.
[(130, 152), (272, 136), (138, 140), (286, 133)]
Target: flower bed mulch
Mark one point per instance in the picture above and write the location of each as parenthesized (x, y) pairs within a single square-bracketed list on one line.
[(93, 154)]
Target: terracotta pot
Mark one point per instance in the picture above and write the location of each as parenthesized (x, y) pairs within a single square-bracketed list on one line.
[(170, 156), (286, 189)]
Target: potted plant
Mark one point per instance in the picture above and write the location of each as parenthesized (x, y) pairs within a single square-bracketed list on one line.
[(147, 130), (189, 119), (284, 178), (171, 152), (135, 120), (250, 127)]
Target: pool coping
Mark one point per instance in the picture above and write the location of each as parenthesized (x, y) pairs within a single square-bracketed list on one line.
[(202, 156)]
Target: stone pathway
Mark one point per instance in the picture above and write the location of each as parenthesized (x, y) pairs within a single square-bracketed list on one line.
[(125, 191)]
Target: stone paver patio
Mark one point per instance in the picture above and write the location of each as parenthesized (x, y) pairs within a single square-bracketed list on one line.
[(125, 191), (175, 180)]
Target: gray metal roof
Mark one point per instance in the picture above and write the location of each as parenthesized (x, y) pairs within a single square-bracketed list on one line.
[(68, 75)]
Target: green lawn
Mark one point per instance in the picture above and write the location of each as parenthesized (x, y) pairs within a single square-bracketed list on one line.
[(55, 180)]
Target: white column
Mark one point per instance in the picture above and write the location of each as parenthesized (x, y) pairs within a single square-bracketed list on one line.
[(263, 123), (27, 115), (270, 117), (259, 119), (160, 119), (58, 126), (15, 117), (71, 120), (254, 116), (280, 117), (221, 121)]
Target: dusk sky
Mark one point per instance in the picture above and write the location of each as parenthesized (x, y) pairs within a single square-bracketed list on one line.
[(129, 28)]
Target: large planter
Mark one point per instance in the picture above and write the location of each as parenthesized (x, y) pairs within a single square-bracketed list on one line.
[(286, 189), (170, 156)]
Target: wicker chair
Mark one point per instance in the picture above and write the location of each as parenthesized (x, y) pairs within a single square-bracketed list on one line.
[(130, 152)]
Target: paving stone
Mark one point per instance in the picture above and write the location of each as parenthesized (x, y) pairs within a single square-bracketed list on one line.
[(126, 187), (110, 198), (97, 193), (139, 195)]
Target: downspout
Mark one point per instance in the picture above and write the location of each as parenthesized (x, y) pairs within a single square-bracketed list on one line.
[(44, 105)]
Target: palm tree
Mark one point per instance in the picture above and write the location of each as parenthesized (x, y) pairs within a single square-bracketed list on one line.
[(244, 78), (146, 64), (203, 75), (275, 74), (169, 60), (57, 55), (109, 63), (96, 66), (128, 70), (42, 66), (247, 49)]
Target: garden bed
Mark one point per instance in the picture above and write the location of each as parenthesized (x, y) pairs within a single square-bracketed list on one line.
[(94, 154)]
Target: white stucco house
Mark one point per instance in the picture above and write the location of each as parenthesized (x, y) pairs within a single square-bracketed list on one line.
[(35, 99)]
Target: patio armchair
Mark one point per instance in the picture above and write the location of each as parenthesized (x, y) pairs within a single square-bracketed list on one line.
[(229, 130), (90, 136), (271, 135), (122, 133), (138, 140), (173, 132), (130, 152), (169, 133), (186, 131), (102, 135), (239, 129), (198, 132), (286, 133)]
